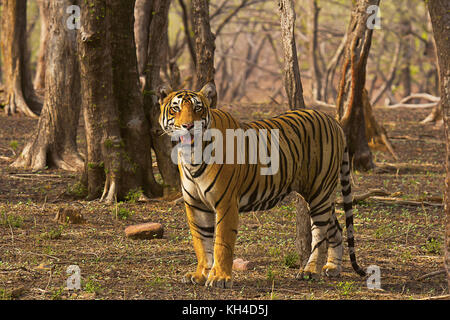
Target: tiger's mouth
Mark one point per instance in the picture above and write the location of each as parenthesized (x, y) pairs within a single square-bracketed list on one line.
[(187, 136)]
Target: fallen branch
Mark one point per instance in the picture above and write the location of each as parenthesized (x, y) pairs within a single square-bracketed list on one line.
[(407, 202), (380, 195), (318, 104), (431, 274), (360, 197), (413, 106), (443, 297), (402, 104), (6, 158)]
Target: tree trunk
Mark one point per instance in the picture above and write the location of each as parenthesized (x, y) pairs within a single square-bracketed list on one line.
[(143, 17), (204, 44), (16, 74), (292, 80), (294, 91), (187, 27), (303, 231), (353, 78), (436, 114), (405, 71), (118, 145), (313, 21), (99, 107), (136, 170), (54, 141), (161, 143), (39, 78), (440, 18)]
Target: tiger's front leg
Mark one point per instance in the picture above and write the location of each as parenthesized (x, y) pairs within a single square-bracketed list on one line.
[(201, 224), (226, 233)]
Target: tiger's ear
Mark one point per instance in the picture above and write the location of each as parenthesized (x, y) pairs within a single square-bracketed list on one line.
[(210, 93), (162, 93)]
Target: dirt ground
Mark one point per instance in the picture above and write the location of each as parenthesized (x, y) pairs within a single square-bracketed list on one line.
[(404, 239)]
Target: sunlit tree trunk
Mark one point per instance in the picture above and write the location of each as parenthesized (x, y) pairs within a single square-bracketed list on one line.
[(292, 80), (161, 143), (353, 77), (53, 144), (39, 78), (440, 18), (204, 44), (16, 75)]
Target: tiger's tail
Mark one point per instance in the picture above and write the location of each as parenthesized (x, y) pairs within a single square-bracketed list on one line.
[(348, 199)]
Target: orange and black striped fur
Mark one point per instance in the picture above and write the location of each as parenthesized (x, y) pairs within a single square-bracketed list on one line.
[(312, 156)]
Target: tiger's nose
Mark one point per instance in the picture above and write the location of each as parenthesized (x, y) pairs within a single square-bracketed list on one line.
[(188, 126)]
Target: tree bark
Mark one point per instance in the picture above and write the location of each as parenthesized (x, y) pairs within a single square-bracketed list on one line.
[(161, 143), (39, 78), (118, 144), (313, 21), (204, 45), (292, 80), (303, 231), (440, 18), (353, 77), (143, 18), (436, 114), (53, 144), (99, 107), (405, 70), (16, 74), (136, 162)]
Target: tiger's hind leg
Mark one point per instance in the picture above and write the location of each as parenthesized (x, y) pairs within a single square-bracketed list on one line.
[(320, 219), (333, 266)]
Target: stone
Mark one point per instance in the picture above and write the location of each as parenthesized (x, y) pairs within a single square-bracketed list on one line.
[(17, 292), (67, 215), (150, 230), (242, 265)]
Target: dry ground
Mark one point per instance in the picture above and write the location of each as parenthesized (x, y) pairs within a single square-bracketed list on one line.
[(405, 241)]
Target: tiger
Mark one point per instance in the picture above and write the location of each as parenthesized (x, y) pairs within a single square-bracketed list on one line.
[(312, 154)]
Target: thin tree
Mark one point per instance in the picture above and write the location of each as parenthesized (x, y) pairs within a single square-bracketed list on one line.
[(39, 78), (160, 142), (292, 80), (350, 101), (54, 141), (294, 91), (204, 45), (313, 25), (440, 18), (143, 14), (16, 75)]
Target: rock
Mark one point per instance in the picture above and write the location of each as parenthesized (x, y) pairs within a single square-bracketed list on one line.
[(67, 215), (150, 230), (242, 265), (18, 292)]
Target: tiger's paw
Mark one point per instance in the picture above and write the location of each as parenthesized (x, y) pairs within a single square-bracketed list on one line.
[(194, 278), (331, 270), (219, 280), (308, 273)]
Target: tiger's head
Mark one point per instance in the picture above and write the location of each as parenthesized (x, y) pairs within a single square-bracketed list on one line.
[(183, 110)]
